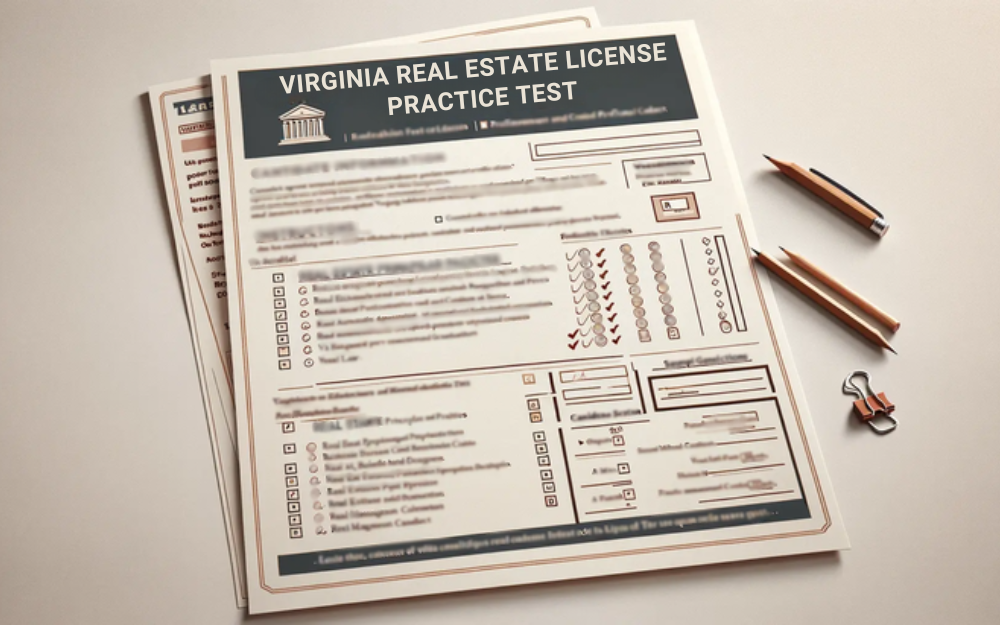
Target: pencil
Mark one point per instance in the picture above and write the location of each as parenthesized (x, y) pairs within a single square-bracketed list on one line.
[(834, 194), (832, 306), (877, 313)]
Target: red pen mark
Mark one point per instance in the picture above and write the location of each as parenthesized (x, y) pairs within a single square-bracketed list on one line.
[(574, 344)]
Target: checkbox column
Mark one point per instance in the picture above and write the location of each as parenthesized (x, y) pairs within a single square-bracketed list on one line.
[(281, 322)]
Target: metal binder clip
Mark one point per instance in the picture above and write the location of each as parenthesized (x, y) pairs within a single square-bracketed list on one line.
[(870, 405)]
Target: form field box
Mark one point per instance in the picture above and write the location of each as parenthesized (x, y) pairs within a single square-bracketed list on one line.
[(657, 171), (684, 390), (615, 145)]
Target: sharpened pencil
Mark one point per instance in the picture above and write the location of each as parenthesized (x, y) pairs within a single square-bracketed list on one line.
[(832, 306), (855, 298)]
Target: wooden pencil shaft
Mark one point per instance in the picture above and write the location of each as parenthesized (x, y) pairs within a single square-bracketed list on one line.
[(847, 317), (827, 192), (880, 315)]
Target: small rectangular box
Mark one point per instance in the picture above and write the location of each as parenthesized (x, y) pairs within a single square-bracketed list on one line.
[(675, 207)]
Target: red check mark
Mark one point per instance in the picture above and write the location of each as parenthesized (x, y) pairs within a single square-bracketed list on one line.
[(573, 344), (616, 339), (573, 334), (613, 317), (609, 306), (600, 252), (607, 295), (603, 262)]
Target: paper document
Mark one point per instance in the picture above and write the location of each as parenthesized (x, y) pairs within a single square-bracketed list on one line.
[(185, 133), (495, 321)]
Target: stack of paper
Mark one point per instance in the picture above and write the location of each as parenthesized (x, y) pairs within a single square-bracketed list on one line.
[(476, 308)]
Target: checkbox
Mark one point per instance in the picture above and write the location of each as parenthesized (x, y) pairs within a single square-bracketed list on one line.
[(288, 448), (543, 461), (280, 315), (628, 494), (623, 468), (279, 303), (546, 474), (284, 365), (295, 532), (551, 501), (281, 327), (438, 219), (304, 301), (291, 468), (279, 291), (291, 481), (295, 519), (303, 290), (534, 404), (293, 507), (617, 440), (536, 417), (548, 487), (282, 339), (541, 448), (304, 314), (306, 337), (528, 378), (292, 494), (538, 436), (284, 351), (278, 277), (288, 427)]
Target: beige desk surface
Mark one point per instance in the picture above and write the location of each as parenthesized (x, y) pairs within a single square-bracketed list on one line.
[(108, 506)]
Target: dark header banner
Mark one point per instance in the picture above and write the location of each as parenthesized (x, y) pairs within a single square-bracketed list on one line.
[(462, 96)]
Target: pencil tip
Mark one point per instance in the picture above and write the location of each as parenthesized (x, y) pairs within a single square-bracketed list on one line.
[(755, 252), (768, 158), (782, 249), (889, 347)]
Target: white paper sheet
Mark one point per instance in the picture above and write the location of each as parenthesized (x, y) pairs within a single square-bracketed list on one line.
[(495, 321)]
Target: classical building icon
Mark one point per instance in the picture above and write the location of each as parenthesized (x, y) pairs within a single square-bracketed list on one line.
[(302, 124)]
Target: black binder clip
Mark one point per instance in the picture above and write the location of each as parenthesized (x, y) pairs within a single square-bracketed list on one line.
[(871, 407)]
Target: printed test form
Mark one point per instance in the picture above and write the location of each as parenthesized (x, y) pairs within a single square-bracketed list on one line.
[(185, 134), (495, 321)]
